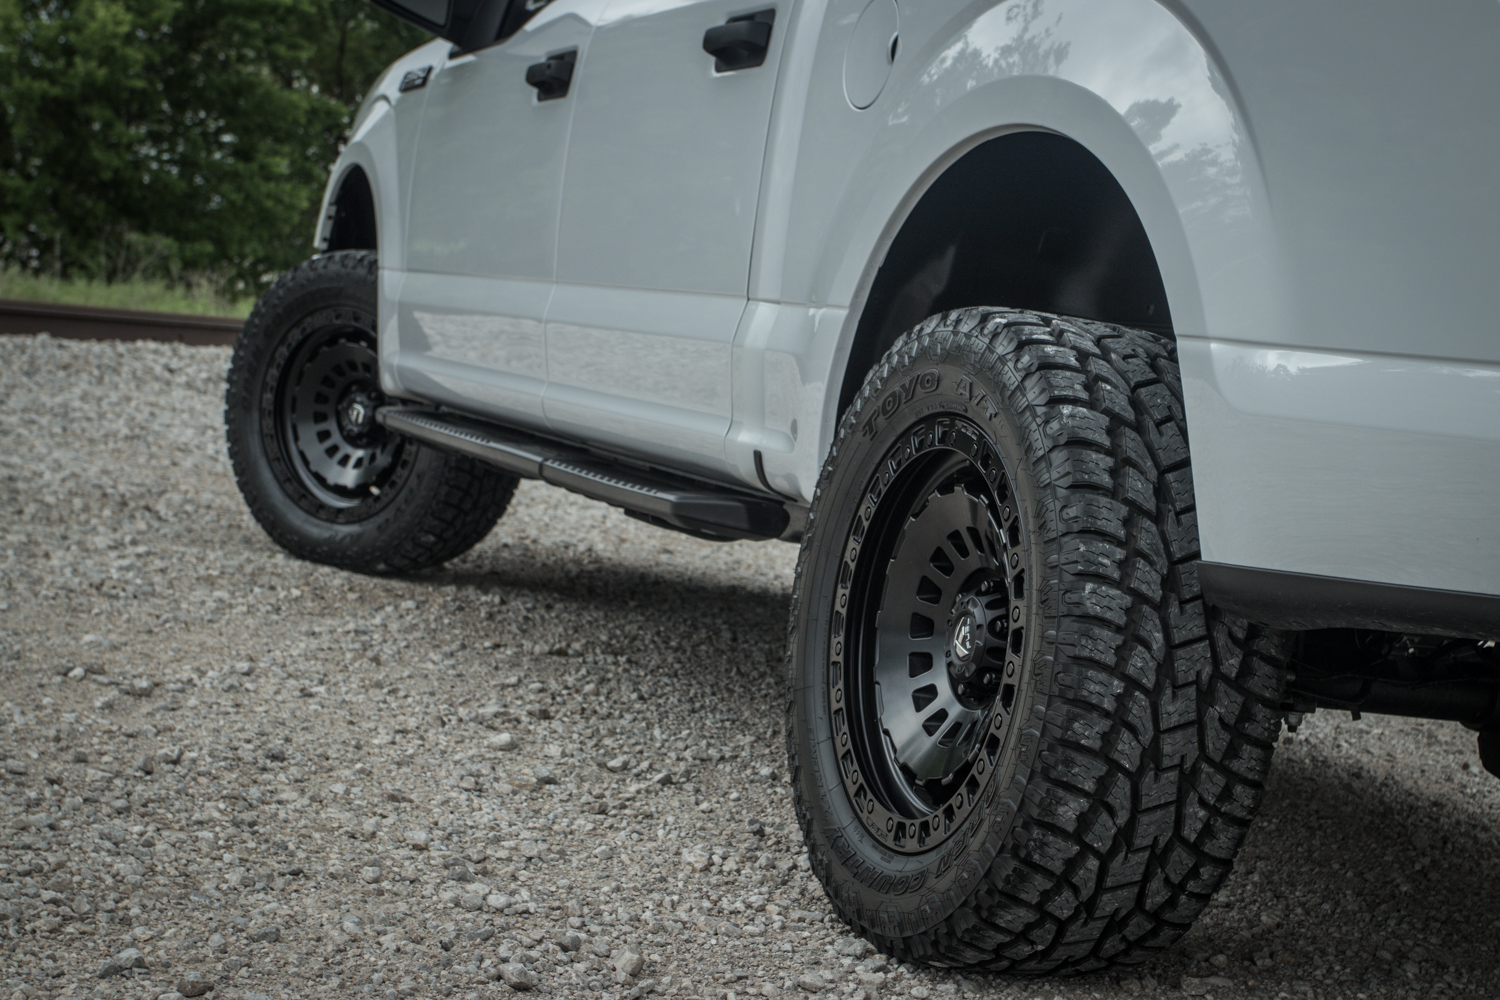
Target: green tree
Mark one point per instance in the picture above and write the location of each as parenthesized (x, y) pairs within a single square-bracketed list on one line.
[(166, 136)]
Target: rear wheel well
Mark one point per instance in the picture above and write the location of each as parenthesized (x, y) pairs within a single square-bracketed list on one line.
[(1028, 220), (353, 214)]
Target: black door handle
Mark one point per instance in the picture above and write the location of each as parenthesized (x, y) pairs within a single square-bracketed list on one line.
[(551, 78), (741, 42)]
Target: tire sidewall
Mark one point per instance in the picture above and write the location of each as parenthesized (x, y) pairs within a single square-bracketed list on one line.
[(894, 894)]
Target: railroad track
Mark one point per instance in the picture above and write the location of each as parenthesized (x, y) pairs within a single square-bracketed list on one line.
[(91, 323)]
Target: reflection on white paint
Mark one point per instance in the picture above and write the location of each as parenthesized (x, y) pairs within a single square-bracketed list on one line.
[(1166, 90), (499, 343), (783, 393), (1413, 395), (653, 368), (1369, 467), (1289, 363)]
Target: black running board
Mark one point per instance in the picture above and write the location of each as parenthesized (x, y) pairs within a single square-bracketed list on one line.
[(659, 497)]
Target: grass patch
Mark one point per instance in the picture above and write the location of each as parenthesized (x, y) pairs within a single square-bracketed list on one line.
[(199, 298)]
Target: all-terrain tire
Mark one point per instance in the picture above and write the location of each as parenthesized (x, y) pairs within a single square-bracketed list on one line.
[(1122, 781), (330, 489)]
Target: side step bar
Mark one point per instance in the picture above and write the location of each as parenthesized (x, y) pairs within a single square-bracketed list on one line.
[(697, 508)]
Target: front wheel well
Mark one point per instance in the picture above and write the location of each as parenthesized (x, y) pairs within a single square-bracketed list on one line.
[(1027, 220), (353, 211)]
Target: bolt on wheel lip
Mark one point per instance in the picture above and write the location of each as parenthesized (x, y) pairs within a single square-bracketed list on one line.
[(948, 460)]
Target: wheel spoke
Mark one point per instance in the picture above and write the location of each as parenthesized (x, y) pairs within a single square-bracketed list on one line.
[(930, 742), (906, 666)]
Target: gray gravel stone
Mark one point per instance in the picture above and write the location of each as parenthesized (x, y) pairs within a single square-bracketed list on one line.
[(812, 982), (194, 985), (630, 962), (1207, 985), (122, 961), (517, 976), (111, 967)]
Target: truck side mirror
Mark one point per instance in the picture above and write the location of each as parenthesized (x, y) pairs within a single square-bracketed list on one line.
[(468, 24)]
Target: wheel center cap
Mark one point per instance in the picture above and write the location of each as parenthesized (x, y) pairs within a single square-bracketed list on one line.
[(356, 414), (965, 638)]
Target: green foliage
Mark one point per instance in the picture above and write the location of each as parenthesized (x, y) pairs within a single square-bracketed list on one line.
[(184, 295), (163, 138)]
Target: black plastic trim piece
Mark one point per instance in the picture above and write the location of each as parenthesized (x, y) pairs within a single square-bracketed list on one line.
[(659, 496), (461, 19), (552, 77), (696, 509), (1305, 601), (741, 42)]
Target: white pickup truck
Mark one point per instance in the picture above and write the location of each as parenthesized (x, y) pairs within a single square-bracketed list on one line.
[(1128, 371)]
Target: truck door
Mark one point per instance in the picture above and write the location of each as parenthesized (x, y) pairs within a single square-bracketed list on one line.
[(658, 213), (482, 233)]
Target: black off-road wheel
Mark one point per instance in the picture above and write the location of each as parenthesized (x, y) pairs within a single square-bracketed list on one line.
[(1019, 739), (325, 480)]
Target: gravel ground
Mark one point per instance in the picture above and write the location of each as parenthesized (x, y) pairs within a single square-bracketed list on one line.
[(555, 765)]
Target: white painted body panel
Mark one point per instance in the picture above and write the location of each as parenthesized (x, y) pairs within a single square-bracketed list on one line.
[(664, 166), (643, 371), (1361, 466), (653, 261), (1317, 182), (481, 236), (458, 347)]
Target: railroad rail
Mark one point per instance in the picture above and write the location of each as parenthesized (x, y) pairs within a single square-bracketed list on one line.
[(92, 323)]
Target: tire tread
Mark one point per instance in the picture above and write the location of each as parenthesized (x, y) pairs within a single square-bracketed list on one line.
[(1160, 727)]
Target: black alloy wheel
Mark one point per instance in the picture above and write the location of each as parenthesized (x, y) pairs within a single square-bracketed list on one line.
[(323, 477), (336, 460), (930, 657)]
